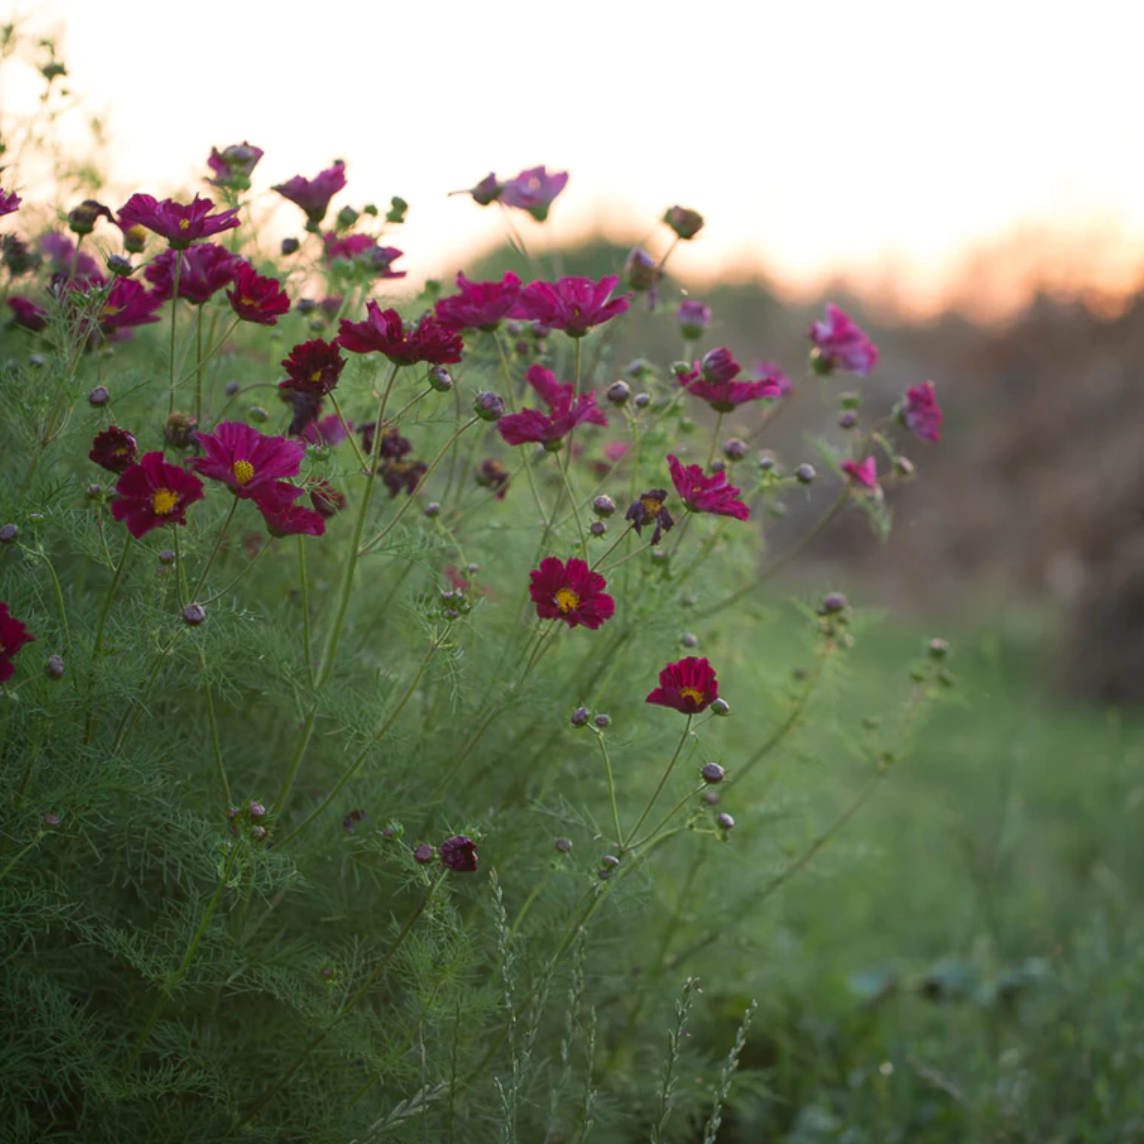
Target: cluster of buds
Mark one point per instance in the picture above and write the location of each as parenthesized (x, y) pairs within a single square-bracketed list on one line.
[(581, 717), (250, 819), (528, 337), (834, 616), (453, 603), (458, 854)]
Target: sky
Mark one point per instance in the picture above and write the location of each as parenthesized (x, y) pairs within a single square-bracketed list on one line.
[(921, 150)]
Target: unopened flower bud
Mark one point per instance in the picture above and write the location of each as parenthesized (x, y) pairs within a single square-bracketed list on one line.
[(833, 602), (710, 797), (598, 528), (717, 466), (603, 721), (93, 492), (687, 425), (258, 833), (36, 517), (119, 266), (580, 717), (725, 821), (805, 474), (167, 556), (82, 219), (604, 506), (54, 668), (610, 860), (424, 854), (257, 414), (720, 707), (290, 246), (100, 395), (938, 649), (712, 773), (693, 319), (641, 270), (618, 392), (194, 614), (734, 449), (847, 419), (689, 639), (904, 467), (37, 360), (660, 555), (850, 400), (305, 305), (563, 845), (8, 533), (488, 406), (685, 222), (433, 508), (642, 399), (347, 216), (440, 379), (231, 388), (256, 810)]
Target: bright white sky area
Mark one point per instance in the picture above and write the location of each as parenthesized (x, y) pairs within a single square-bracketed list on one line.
[(880, 140)]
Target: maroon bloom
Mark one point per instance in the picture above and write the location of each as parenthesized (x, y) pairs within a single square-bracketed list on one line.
[(255, 298), (204, 270), (313, 195), (479, 305), (313, 367), (114, 449), (153, 493), (713, 380), (864, 474), (13, 636), (570, 592), (920, 413), (459, 853), (533, 190), (492, 475), (326, 499), (701, 493), (129, 304), (400, 475), (26, 313), (573, 305), (233, 167), (840, 344), (384, 331), (283, 517), (244, 460), (688, 685), (363, 251), (9, 201), (530, 426), (651, 508), (181, 225)]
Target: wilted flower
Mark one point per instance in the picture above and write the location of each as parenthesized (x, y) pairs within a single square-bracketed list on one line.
[(459, 853), (573, 305), (204, 270), (313, 367), (651, 508), (233, 167), (688, 685), (864, 474), (479, 305), (530, 426), (181, 225), (154, 493), (840, 344), (113, 449), (384, 331), (13, 636), (701, 493), (570, 592), (313, 195), (255, 298), (920, 413)]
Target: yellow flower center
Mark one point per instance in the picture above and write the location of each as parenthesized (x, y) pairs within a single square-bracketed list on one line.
[(111, 311), (184, 224), (164, 501), (651, 506), (691, 693), (246, 301), (316, 375), (565, 599), (243, 472)]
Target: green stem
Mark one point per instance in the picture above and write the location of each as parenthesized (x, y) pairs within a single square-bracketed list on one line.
[(199, 367), (174, 324), (626, 845), (213, 722), (18, 855), (305, 609), (214, 551), (97, 648), (611, 788)]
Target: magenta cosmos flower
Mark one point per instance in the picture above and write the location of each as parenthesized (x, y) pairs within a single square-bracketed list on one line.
[(313, 367), (384, 331), (244, 460), (530, 426), (153, 493), (864, 474), (129, 304), (533, 191), (573, 305), (313, 195), (689, 685), (459, 853), (920, 413), (570, 592), (26, 313), (362, 251), (701, 493), (13, 636), (840, 344), (204, 270), (277, 501), (9, 201), (255, 298), (714, 380), (181, 225), (479, 305), (114, 449)]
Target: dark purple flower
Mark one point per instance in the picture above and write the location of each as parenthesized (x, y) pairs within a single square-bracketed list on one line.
[(701, 493), (920, 413), (570, 592), (204, 270), (492, 475), (154, 493), (233, 167), (255, 298), (181, 225), (26, 313), (384, 331), (313, 367), (530, 426), (326, 500), (533, 191), (459, 854), (114, 449), (60, 252), (651, 508), (13, 636), (479, 305), (244, 460), (328, 431), (82, 219), (573, 305), (840, 344), (400, 475), (689, 686), (313, 195), (9, 201)]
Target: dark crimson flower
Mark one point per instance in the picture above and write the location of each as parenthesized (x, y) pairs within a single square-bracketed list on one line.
[(361, 250), (693, 319), (283, 517), (26, 313), (920, 413), (129, 304), (13, 636), (393, 445), (255, 298), (701, 493), (9, 201), (533, 191), (154, 493), (234, 166), (651, 508), (384, 331), (313, 367), (688, 685), (306, 409), (244, 460), (114, 449), (326, 499), (570, 592), (491, 474), (479, 305), (530, 426), (864, 473), (181, 225), (313, 195), (205, 269), (713, 380), (840, 344), (685, 222), (573, 305), (402, 476), (459, 854), (60, 252)]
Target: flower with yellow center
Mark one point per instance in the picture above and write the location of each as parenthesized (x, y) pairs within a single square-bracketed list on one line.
[(243, 472), (184, 224), (692, 693), (163, 501), (566, 600)]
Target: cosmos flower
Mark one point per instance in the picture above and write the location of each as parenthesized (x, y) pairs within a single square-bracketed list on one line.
[(864, 474), (9, 201), (181, 225), (244, 460), (154, 493), (459, 853), (276, 500), (840, 344), (533, 191), (13, 636), (255, 298), (530, 426), (204, 270), (701, 493), (573, 305), (479, 305), (129, 304), (689, 686), (233, 166), (570, 592), (313, 195), (27, 314), (920, 412), (651, 508), (114, 449), (384, 331), (363, 251), (713, 380), (313, 367)]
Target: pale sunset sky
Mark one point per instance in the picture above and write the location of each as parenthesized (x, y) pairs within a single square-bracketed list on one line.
[(884, 141)]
